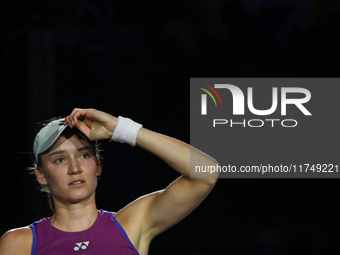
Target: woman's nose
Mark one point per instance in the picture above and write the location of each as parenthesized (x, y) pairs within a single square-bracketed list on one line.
[(74, 167)]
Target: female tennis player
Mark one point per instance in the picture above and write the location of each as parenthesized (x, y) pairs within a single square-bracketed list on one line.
[(68, 167)]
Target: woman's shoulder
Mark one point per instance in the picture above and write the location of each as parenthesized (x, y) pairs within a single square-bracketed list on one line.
[(17, 241)]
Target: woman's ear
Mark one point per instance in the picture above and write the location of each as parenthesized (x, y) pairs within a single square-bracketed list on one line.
[(40, 176)]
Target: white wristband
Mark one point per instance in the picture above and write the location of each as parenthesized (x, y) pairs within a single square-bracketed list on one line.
[(126, 131)]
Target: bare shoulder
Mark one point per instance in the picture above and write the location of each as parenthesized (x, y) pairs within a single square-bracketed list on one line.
[(17, 241)]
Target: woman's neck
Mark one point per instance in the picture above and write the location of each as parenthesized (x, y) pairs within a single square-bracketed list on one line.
[(74, 217)]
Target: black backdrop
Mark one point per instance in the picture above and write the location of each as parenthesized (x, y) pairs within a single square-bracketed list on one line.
[(135, 58)]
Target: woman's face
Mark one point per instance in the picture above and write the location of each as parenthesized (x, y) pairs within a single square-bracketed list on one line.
[(70, 169)]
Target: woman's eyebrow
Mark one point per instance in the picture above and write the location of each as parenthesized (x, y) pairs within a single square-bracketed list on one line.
[(83, 148), (55, 152)]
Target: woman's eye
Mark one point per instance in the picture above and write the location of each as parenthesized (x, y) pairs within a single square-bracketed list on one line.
[(59, 160), (85, 155)]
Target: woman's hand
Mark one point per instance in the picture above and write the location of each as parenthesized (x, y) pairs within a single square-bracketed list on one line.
[(99, 125)]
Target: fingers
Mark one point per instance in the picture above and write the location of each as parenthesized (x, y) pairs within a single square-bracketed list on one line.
[(98, 125), (84, 129), (78, 114)]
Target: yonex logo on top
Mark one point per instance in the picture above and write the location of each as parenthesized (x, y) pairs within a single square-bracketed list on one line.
[(82, 245)]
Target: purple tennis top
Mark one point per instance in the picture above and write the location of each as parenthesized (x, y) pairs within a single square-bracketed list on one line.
[(104, 237)]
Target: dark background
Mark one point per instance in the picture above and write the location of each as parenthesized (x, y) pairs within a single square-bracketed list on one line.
[(135, 59)]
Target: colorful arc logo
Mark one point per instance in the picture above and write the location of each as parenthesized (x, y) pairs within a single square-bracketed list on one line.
[(204, 97)]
